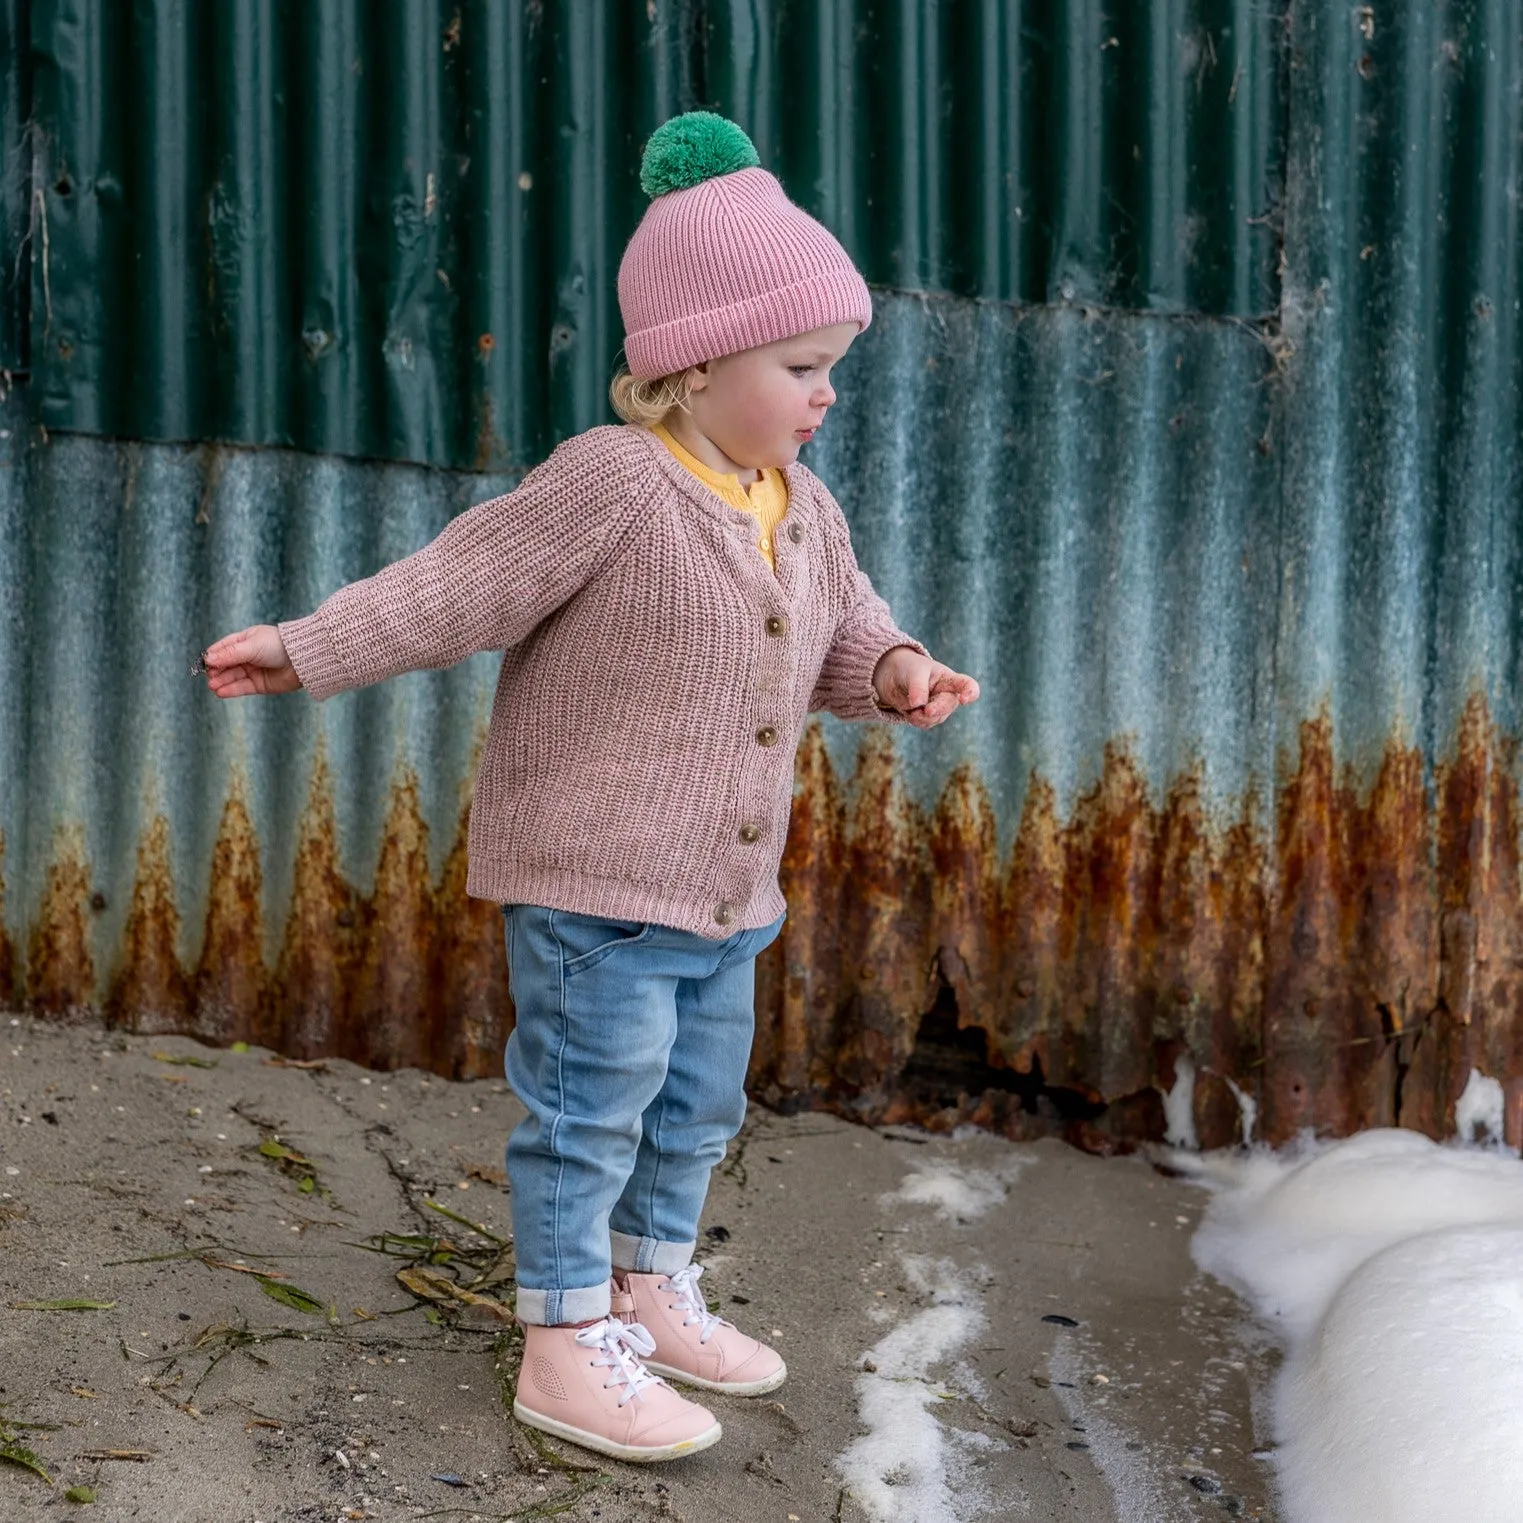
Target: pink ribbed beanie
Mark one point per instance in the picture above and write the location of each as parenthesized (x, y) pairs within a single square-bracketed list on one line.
[(722, 260)]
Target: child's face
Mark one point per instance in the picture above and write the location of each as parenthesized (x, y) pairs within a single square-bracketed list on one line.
[(761, 405)]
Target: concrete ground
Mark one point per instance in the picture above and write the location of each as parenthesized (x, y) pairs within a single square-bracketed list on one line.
[(981, 1330)]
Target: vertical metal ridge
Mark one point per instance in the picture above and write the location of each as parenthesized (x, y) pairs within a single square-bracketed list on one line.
[(15, 182)]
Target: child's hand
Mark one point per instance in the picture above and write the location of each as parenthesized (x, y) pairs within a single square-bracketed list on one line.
[(924, 691), (251, 661)]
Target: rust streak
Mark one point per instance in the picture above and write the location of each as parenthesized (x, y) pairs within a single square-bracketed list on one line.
[(320, 948), (60, 970), (8, 970), (798, 977), (1345, 961), (389, 1009), (473, 1013), (150, 992), (888, 965), (231, 985)]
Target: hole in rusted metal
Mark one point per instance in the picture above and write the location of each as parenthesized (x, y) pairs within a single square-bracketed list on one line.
[(949, 1067)]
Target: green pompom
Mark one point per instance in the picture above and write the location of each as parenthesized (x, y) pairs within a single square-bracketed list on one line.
[(692, 148)]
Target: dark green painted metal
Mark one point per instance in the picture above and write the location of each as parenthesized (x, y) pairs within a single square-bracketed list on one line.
[(373, 229), (1119, 154), (393, 229), (15, 183)]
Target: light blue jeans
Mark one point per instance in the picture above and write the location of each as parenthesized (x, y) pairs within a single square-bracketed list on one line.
[(630, 1054)]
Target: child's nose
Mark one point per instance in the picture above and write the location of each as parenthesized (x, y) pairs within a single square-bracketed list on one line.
[(824, 395)]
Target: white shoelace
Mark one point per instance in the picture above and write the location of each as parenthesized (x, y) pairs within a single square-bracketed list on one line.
[(621, 1346), (690, 1301)]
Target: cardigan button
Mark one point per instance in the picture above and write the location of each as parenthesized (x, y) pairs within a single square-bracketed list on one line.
[(723, 914), (750, 834), (766, 736), (776, 624), (795, 532)]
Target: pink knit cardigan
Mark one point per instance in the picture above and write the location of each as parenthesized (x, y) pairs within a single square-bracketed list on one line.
[(655, 679)]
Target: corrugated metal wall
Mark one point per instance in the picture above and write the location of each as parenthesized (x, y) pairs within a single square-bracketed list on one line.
[(1201, 452), (392, 230), (15, 184)]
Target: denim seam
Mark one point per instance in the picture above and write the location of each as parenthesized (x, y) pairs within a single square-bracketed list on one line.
[(655, 1173), (554, 1300)]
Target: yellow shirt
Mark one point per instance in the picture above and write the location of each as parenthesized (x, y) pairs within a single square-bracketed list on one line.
[(766, 499)]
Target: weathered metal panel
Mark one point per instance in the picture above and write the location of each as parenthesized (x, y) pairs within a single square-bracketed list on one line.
[(15, 183), (1245, 600), (383, 230), (1098, 151), (1127, 851), (392, 230)]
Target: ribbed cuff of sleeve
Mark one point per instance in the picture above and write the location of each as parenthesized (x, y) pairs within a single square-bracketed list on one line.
[(317, 663), (856, 656)]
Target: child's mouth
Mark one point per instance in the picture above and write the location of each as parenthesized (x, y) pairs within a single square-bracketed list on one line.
[(806, 434)]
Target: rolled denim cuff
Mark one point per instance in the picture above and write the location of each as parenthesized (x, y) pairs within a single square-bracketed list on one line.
[(649, 1255), (548, 1308)]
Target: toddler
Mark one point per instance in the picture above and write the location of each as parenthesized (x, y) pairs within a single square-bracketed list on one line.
[(672, 598)]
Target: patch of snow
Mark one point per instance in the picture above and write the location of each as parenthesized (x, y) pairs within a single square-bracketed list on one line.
[(897, 1470), (1392, 1268), (958, 1194), (1404, 1403), (1289, 1233), (1179, 1106), (1247, 1110), (1479, 1111)]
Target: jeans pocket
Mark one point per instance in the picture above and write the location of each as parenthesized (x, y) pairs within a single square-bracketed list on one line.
[(585, 940)]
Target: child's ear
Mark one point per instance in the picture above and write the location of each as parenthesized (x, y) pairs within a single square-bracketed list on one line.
[(698, 376)]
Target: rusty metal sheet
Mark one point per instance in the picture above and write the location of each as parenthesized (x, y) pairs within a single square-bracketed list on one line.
[(1127, 852), (1244, 598)]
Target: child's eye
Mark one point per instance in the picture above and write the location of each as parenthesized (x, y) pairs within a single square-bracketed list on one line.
[(801, 369)]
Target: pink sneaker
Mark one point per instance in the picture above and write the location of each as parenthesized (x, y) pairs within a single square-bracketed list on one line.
[(692, 1344), (588, 1385)]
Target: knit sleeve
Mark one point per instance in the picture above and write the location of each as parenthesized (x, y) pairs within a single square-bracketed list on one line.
[(495, 572), (864, 633)]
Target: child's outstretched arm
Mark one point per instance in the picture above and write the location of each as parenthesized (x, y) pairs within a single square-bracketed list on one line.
[(493, 574)]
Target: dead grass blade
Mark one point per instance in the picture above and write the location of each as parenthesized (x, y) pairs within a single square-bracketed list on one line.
[(263, 1274), (64, 1305), (464, 1221), (430, 1285), (184, 1060)]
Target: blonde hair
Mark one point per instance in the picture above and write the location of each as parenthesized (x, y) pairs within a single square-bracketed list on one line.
[(649, 402)]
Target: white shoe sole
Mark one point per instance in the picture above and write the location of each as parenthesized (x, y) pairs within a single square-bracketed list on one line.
[(640, 1455), (724, 1387)]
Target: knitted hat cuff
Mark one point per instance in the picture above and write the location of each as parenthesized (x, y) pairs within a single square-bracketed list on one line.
[(832, 296)]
